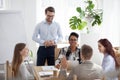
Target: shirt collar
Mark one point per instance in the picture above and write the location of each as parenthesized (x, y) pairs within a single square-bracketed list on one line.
[(45, 22), (87, 61), (106, 54)]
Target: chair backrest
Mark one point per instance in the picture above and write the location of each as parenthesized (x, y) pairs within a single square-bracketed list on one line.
[(57, 50), (9, 72)]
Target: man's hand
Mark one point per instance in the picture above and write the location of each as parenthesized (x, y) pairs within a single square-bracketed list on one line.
[(46, 43), (49, 43), (64, 63), (57, 66)]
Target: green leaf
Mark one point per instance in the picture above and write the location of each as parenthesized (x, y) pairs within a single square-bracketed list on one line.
[(90, 6), (78, 9), (81, 12), (73, 27), (82, 25), (77, 22), (94, 22)]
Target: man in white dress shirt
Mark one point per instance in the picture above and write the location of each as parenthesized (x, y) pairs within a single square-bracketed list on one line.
[(47, 33)]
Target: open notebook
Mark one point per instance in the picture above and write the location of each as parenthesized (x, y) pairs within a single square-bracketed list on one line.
[(45, 73)]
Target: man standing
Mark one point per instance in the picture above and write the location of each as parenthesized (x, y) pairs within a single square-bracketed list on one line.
[(47, 33)]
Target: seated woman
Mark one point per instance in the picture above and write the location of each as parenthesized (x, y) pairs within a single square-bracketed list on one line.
[(18, 66), (72, 52), (109, 64)]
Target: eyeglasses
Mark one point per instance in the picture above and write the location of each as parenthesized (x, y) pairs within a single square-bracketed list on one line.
[(50, 15), (73, 40)]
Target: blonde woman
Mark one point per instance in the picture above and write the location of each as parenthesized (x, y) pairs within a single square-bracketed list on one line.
[(18, 66)]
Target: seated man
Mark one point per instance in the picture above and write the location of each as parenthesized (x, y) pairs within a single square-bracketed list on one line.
[(72, 52), (87, 70)]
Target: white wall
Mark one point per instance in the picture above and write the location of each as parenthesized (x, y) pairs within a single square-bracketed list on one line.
[(28, 9), (109, 28), (111, 25), (91, 39), (12, 31)]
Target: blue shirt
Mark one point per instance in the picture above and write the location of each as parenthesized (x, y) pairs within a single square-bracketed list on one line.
[(109, 68), (45, 31)]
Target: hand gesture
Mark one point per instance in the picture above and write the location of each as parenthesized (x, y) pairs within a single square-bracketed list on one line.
[(64, 63)]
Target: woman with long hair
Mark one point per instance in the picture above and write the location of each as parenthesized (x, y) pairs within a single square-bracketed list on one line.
[(18, 66), (109, 63)]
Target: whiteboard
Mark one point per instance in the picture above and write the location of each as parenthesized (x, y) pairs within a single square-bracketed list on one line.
[(12, 31)]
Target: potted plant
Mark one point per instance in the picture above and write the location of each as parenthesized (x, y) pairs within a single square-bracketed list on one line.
[(86, 16)]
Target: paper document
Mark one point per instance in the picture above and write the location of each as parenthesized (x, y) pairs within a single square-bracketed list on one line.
[(48, 68), (44, 73)]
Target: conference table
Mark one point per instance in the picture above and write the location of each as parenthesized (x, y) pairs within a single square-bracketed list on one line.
[(41, 71), (45, 73)]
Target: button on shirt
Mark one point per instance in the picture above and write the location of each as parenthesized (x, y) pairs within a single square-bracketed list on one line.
[(45, 31)]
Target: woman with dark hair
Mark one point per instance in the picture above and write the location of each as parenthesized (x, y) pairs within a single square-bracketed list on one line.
[(109, 63), (18, 66), (72, 52)]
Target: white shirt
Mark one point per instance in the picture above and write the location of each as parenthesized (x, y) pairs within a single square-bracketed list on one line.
[(45, 31), (23, 73)]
